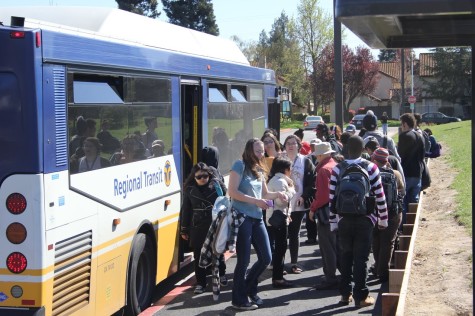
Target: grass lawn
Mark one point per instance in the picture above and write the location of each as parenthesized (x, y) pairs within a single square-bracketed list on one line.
[(457, 137)]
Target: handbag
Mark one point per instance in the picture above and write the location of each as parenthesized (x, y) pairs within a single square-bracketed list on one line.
[(425, 179), (323, 215), (278, 219)]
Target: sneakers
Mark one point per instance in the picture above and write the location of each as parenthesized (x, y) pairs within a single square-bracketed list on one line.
[(346, 299), (246, 307), (327, 285), (199, 289), (223, 280), (256, 300), (311, 242), (368, 301)]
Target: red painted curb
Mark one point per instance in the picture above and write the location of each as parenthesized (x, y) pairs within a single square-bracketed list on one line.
[(170, 296)]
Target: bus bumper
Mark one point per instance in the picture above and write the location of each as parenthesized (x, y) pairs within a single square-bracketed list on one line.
[(23, 311)]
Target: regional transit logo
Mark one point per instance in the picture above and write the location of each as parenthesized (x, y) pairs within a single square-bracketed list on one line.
[(167, 172)]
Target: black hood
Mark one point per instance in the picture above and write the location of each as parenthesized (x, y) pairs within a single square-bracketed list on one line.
[(210, 156)]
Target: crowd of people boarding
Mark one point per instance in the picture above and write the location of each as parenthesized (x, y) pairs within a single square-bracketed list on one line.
[(351, 191)]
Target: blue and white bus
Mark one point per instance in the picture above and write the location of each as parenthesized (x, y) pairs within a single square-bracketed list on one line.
[(83, 237)]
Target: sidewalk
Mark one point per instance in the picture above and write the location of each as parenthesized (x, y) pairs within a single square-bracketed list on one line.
[(302, 299)]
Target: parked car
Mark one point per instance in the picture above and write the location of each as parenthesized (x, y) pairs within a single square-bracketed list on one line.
[(311, 122), (357, 120), (438, 118)]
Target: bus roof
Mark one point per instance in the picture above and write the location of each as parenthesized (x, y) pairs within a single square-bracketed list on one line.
[(122, 26)]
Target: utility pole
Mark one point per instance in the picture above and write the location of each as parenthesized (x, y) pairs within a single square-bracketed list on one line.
[(339, 115)]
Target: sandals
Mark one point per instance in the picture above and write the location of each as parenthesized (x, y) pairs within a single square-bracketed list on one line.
[(296, 269)]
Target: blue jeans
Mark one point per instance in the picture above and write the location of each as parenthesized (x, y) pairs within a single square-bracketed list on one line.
[(252, 231), (354, 235), (413, 188), (385, 128)]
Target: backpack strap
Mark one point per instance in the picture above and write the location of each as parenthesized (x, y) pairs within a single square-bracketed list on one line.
[(385, 141)]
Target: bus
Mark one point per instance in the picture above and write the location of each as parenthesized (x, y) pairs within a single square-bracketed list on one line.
[(92, 237)]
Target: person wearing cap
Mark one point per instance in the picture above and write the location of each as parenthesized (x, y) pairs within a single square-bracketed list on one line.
[(371, 144), (370, 123), (323, 133), (158, 148), (355, 232), (351, 129), (320, 208), (383, 240), (312, 157)]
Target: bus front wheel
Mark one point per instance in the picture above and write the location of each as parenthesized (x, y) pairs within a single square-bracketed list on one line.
[(141, 275)]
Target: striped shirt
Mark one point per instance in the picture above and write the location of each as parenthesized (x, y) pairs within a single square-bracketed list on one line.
[(381, 215)]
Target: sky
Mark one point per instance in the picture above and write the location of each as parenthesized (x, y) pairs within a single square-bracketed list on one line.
[(244, 18)]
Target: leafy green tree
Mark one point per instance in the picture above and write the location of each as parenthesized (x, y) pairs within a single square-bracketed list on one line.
[(452, 70), (314, 30), (193, 14), (142, 7), (387, 55), (249, 48)]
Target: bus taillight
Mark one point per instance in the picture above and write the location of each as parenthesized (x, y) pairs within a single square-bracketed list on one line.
[(17, 34), (16, 233), (16, 262), (16, 203)]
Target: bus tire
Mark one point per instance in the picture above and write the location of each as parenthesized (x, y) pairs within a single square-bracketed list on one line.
[(141, 275)]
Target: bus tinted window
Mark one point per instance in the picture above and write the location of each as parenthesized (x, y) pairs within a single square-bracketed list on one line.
[(94, 92), (139, 130), (230, 125), (147, 90)]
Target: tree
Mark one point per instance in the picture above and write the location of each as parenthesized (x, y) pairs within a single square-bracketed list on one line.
[(387, 55), (314, 30), (360, 74), (193, 14), (452, 70), (142, 7), (249, 48)]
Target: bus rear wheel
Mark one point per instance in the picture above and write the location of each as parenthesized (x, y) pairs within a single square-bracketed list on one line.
[(141, 275)]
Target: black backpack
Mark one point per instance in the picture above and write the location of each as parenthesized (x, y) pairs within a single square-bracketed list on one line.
[(353, 190), (388, 179)]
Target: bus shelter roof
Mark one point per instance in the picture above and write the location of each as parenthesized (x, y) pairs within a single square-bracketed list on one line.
[(409, 23)]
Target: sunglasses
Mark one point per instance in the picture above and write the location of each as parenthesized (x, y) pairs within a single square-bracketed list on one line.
[(201, 176)]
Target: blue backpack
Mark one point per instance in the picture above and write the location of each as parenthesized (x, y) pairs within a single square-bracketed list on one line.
[(353, 190)]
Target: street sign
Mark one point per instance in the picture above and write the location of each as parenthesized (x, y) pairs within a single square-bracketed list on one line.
[(411, 99)]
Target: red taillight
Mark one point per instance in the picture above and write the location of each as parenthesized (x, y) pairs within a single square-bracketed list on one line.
[(16, 203), (17, 34), (38, 39), (16, 262), (16, 233)]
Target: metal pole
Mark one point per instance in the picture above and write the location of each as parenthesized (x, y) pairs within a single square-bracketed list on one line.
[(339, 117), (403, 86), (412, 79)]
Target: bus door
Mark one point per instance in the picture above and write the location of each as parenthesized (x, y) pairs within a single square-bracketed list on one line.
[(191, 124)]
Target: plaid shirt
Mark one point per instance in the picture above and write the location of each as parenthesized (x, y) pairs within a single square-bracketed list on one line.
[(208, 257)]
